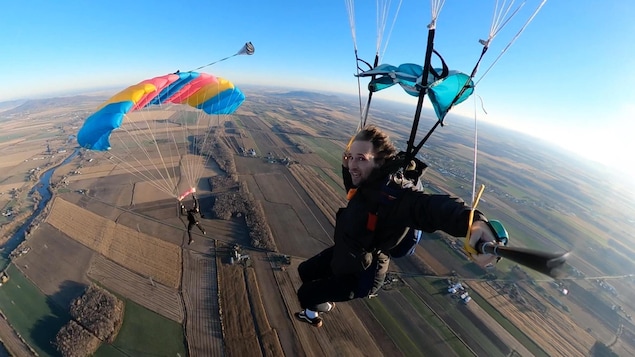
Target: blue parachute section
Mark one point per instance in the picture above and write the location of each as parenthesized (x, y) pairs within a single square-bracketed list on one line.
[(225, 103), (443, 92), (97, 128)]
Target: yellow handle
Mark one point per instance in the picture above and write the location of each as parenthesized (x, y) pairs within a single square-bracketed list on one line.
[(466, 245)]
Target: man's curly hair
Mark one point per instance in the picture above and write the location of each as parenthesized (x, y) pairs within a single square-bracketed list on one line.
[(384, 148)]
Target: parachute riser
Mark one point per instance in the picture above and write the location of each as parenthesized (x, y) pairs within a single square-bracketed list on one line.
[(410, 150), (370, 95)]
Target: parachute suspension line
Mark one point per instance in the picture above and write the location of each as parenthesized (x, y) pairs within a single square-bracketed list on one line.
[(201, 137), (171, 180), (192, 141), (435, 10), (475, 154), (383, 11), (184, 157), (190, 138), (247, 49), (166, 178), (474, 175), (202, 147), (502, 17), (182, 119), (350, 9), (511, 42), (383, 8), (157, 181), (139, 174)]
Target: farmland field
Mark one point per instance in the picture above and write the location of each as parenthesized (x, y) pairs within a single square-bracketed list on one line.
[(110, 225)]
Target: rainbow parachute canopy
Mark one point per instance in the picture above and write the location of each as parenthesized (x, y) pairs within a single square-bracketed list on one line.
[(213, 95)]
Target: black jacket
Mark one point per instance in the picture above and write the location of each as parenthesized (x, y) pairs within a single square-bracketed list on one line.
[(357, 248), (192, 212)]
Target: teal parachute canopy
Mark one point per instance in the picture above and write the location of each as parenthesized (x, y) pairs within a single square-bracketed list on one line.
[(443, 92)]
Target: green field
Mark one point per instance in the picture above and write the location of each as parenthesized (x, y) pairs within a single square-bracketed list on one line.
[(325, 148), (37, 319), (145, 333), (32, 314), (12, 136)]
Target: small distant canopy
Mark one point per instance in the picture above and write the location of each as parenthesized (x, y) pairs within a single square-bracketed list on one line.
[(446, 88)]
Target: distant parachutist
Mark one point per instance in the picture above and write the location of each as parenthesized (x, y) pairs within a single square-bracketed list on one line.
[(191, 218)]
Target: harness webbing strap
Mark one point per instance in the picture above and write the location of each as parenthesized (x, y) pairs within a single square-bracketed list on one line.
[(371, 222), (351, 193)]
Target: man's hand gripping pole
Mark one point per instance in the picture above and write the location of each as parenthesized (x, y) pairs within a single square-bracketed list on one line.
[(471, 251)]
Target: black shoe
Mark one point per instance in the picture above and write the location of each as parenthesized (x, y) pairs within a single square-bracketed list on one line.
[(317, 322), (204, 232)]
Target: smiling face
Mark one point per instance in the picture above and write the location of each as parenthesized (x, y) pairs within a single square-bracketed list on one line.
[(361, 161)]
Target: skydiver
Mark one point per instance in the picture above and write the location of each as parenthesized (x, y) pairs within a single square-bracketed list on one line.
[(191, 218), (356, 265)]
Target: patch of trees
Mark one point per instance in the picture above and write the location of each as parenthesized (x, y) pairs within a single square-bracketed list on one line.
[(601, 350), (222, 183), (73, 340), (303, 149), (242, 202), (282, 128), (97, 316), (235, 203), (218, 150)]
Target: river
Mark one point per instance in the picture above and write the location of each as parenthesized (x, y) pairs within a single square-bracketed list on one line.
[(43, 188)]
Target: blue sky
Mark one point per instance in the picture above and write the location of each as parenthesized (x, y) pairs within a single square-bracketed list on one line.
[(567, 79)]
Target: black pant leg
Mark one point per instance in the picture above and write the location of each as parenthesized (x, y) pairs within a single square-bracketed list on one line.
[(316, 267), (315, 294), (199, 227), (319, 285)]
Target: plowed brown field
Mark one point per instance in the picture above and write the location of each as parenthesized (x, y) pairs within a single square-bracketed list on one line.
[(136, 251)]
